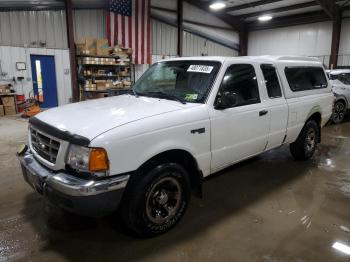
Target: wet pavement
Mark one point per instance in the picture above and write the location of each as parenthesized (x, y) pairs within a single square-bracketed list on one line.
[(270, 208)]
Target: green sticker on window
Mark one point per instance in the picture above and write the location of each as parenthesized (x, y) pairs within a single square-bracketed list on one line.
[(191, 96)]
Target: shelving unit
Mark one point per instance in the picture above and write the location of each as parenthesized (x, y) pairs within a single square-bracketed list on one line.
[(97, 74)]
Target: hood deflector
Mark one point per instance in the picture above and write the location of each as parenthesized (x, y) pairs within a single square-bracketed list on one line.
[(60, 134)]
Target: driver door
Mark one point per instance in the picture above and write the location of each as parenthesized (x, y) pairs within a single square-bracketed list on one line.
[(241, 131)]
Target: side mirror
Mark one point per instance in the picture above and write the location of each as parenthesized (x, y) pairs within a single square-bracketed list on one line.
[(228, 99)]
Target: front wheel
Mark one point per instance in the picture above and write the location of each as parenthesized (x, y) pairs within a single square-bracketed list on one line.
[(338, 112), (156, 200), (305, 145)]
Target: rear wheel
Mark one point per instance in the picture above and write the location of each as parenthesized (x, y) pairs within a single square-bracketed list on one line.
[(156, 200), (339, 111), (305, 145)]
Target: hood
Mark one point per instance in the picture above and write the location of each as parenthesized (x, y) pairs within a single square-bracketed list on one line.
[(92, 118)]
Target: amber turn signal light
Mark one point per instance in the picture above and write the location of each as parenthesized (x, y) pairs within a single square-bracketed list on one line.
[(98, 160)]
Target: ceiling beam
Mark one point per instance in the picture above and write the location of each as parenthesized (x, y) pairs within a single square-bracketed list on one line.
[(279, 9), (250, 5), (229, 19), (299, 19), (330, 8)]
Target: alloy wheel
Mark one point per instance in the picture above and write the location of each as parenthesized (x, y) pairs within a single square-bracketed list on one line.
[(164, 199)]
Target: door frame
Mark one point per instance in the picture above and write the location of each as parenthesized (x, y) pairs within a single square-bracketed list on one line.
[(33, 69)]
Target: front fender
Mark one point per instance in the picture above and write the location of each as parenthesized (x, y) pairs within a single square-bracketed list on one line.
[(132, 145)]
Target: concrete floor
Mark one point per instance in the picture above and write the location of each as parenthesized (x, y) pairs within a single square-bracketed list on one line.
[(270, 208)]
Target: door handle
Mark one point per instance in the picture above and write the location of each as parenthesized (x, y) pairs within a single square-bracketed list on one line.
[(263, 112), (198, 131)]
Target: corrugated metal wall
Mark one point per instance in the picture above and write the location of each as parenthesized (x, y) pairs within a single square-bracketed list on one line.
[(19, 28), (306, 40), (344, 47), (89, 23), (164, 39), (10, 55), (164, 42), (194, 45)]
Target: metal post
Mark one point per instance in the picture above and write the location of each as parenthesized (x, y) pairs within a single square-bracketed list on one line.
[(243, 41), (335, 42), (179, 27), (71, 46)]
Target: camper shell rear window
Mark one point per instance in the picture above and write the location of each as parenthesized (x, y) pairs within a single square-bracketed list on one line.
[(305, 78)]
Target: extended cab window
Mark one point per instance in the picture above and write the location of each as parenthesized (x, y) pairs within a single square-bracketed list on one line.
[(241, 79), (187, 80), (305, 78), (271, 81)]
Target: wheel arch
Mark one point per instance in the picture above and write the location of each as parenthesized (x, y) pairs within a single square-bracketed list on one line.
[(343, 99), (182, 157)]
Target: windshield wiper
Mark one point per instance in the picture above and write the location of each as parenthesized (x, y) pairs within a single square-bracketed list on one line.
[(163, 95)]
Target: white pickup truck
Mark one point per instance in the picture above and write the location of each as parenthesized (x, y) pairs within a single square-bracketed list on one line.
[(187, 118)]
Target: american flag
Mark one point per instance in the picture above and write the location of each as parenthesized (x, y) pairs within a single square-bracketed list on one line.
[(129, 24)]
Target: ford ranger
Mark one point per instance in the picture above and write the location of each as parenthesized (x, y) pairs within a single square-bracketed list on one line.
[(186, 118)]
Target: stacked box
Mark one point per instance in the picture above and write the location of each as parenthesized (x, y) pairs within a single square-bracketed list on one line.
[(5, 89), (102, 47), (9, 105), (86, 46)]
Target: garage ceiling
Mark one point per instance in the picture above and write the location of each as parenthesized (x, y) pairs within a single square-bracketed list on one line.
[(50, 4), (236, 12), (284, 12)]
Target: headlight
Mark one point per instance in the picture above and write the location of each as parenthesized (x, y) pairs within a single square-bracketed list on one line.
[(87, 159)]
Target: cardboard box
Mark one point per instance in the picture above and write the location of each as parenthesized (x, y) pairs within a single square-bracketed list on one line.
[(102, 47), (101, 86), (5, 89), (96, 95), (8, 101), (2, 110), (86, 46), (10, 110)]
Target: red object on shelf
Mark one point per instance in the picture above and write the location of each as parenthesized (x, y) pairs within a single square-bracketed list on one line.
[(20, 98), (20, 102)]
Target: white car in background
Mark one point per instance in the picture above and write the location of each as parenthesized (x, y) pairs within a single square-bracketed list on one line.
[(340, 80)]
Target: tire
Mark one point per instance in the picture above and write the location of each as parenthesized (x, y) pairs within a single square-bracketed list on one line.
[(305, 145), (156, 200), (339, 111)]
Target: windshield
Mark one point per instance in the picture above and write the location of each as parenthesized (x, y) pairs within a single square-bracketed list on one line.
[(187, 81)]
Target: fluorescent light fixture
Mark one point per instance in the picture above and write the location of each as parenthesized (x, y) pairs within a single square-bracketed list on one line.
[(264, 18), (217, 5), (342, 248)]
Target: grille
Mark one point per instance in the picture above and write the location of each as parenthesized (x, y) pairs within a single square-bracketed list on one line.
[(45, 146)]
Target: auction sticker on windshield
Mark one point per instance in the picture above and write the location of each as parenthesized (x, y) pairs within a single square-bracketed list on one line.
[(200, 69)]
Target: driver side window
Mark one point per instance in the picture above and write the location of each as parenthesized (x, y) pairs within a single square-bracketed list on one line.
[(241, 80)]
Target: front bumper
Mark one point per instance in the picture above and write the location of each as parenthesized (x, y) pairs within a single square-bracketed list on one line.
[(85, 197)]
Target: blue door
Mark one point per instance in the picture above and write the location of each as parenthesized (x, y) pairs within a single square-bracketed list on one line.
[(44, 80)]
